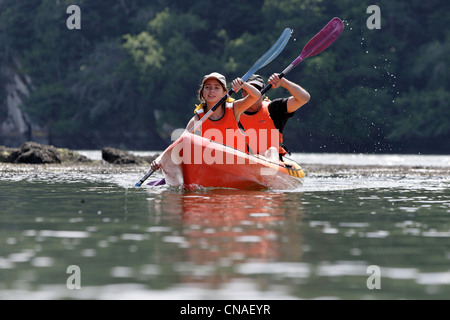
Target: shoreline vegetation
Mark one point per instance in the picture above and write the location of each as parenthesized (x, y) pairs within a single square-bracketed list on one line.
[(35, 157), (125, 78)]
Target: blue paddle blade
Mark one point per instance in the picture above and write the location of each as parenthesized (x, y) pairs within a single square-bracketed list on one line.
[(271, 54)]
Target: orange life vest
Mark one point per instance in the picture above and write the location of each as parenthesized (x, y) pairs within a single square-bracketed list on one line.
[(261, 131), (224, 130)]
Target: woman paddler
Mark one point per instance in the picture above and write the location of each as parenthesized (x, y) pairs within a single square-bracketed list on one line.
[(226, 116)]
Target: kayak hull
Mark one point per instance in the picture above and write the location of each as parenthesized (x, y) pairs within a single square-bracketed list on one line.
[(194, 162)]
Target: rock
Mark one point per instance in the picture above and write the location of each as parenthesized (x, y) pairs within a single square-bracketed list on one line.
[(117, 156), (35, 153), (15, 125), (32, 152)]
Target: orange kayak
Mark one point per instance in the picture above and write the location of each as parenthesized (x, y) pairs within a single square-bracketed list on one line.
[(195, 162)]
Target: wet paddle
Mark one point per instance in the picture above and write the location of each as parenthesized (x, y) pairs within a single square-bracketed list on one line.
[(322, 40), (157, 182), (265, 59)]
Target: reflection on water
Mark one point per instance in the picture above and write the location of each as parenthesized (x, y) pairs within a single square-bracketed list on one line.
[(224, 228), (164, 243)]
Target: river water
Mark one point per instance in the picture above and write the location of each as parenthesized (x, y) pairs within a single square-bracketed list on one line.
[(360, 227)]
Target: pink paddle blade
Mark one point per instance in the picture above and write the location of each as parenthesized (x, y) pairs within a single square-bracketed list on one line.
[(321, 40), (317, 44)]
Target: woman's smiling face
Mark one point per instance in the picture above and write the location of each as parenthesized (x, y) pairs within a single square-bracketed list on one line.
[(213, 91)]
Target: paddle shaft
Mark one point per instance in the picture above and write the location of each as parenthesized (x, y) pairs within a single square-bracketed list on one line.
[(322, 40), (148, 174)]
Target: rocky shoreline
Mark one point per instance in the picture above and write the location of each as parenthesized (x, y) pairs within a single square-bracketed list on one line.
[(31, 157), (35, 153)]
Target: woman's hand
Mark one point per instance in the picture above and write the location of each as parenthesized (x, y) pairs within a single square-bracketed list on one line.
[(155, 165), (237, 84)]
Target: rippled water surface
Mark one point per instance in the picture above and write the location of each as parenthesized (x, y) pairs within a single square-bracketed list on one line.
[(342, 235)]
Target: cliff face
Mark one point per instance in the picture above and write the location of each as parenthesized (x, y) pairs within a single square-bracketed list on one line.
[(15, 126)]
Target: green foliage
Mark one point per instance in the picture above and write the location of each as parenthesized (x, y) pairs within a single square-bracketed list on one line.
[(145, 50), (422, 111), (134, 68), (422, 114), (49, 105)]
